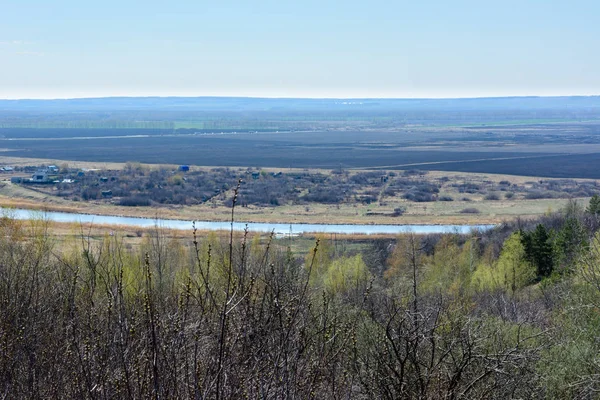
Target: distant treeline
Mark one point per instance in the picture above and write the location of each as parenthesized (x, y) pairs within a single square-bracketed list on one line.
[(258, 104), (290, 114), (29, 124)]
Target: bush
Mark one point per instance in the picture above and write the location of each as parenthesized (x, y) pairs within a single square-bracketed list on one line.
[(419, 197), (398, 211), (492, 196), (467, 187), (445, 198), (470, 210), (536, 194)]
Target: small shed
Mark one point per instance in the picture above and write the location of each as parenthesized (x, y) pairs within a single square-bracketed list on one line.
[(16, 179)]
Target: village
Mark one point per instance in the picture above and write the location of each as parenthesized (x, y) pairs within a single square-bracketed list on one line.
[(388, 192)]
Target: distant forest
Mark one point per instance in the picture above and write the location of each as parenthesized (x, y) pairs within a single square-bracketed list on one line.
[(260, 114)]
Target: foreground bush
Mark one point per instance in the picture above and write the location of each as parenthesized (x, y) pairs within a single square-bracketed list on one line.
[(243, 317)]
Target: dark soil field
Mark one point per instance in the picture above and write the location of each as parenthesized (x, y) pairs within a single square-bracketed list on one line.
[(426, 150), (548, 137), (242, 150)]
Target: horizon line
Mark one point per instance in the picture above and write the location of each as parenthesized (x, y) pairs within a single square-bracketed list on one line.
[(117, 96)]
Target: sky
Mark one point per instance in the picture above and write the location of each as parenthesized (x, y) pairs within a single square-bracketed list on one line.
[(307, 48)]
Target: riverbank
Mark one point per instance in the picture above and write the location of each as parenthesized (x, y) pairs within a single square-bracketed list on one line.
[(281, 230), (438, 213)]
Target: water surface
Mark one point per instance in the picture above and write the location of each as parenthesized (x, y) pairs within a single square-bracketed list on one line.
[(252, 226)]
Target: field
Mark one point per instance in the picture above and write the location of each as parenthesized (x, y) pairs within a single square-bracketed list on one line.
[(555, 150), (328, 143)]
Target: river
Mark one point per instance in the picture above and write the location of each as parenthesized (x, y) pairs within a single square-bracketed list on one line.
[(278, 228)]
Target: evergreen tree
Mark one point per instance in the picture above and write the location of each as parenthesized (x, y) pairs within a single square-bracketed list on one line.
[(569, 243), (594, 206), (541, 251)]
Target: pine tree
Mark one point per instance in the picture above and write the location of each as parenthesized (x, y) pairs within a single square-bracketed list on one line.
[(594, 206), (541, 251)]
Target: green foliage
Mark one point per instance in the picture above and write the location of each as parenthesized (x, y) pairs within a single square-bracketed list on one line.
[(512, 271), (176, 180), (569, 243), (569, 364), (594, 205), (319, 259), (539, 251), (450, 267), (346, 274)]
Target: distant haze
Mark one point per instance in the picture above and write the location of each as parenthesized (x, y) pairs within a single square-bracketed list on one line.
[(312, 48)]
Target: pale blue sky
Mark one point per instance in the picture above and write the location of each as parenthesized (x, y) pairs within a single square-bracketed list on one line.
[(309, 48)]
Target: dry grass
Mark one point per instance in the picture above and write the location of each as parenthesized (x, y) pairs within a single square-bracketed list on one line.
[(416, 213)]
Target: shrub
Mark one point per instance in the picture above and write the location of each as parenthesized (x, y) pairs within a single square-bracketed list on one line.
[(537, 194), (419, 197), (470, 210), (492, 196), (398, 211)]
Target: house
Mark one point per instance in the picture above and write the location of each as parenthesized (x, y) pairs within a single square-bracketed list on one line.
[(41, 176), (52, 168)]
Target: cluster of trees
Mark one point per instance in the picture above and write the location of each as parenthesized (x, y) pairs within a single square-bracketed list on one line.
[(413, 189), (137, 185), (507, 313)]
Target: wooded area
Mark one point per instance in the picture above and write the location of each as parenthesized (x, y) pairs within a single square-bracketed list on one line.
[(507, 313)]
